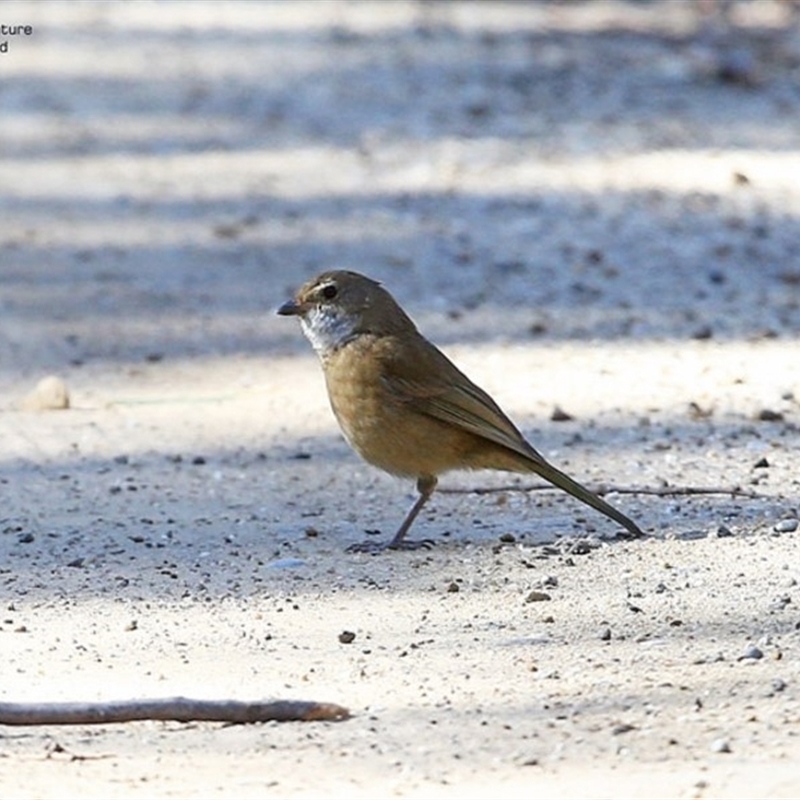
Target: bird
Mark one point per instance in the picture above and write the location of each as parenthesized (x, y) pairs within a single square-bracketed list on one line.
[(403, 405)]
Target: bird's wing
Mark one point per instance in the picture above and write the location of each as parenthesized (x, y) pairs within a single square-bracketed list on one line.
[(431, 384)]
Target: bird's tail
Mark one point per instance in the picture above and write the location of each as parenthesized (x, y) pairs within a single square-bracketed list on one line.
[(563, 481)]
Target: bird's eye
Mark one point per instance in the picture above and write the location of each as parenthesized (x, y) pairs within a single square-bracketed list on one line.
[(329, 291)]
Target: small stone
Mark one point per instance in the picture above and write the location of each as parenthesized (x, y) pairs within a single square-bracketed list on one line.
[(696, 411), (559, 415), (778, 685), (286, 563), (507, 538), (786, 526), (738, 66), (605, 635), (537, 597), (723, 531), (768, 415), (752, 652), (453, 587), (720, 746), (132, 625), (537, 328), (25, 538), (703, 332), (622, 728), (50, 394), (762, 463), (347, 637), (780, 603)]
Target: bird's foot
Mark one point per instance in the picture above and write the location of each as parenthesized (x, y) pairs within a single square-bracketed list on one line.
[(379, 547)]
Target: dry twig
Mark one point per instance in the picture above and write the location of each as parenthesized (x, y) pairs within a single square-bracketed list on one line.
[(179, 709), (659, 491)]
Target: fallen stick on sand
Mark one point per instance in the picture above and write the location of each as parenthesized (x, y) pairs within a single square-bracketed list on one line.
[(179, 709), (660, 491)]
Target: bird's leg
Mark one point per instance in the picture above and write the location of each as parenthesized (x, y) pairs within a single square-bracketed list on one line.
[(425, 486)]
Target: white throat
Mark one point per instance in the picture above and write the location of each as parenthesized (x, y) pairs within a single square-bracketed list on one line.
[(327, 328)]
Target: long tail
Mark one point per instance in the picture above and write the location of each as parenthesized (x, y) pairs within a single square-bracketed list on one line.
[(563, 481)]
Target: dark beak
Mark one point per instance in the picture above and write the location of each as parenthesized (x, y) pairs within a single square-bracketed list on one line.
[(291, 308)]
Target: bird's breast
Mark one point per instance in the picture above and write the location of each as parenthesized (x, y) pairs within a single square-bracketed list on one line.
[(377, 424)]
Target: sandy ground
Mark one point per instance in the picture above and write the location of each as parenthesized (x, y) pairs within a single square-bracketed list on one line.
[(588, 206)]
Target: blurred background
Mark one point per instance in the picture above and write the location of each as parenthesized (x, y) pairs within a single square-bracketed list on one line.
[(170, 171)]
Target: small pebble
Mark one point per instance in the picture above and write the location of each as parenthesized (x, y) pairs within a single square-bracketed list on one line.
[(703, 332), (622, 728), (559, 415), (25, 538), (286, 563), (762, 463), (347, 637), (738, 66), (779, 603), (723, 531), (507, 538), (786, 526), (720, 746), (752, 652), (453, 587), (605, 635), (50, 394), (537, 597)]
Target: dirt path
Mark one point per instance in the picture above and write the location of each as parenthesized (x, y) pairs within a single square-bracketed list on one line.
[(590, 206)]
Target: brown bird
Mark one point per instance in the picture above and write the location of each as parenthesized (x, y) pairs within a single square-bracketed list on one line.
[(403, 405)]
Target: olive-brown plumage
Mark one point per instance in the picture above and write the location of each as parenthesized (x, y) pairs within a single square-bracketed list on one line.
[(402, 404)]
